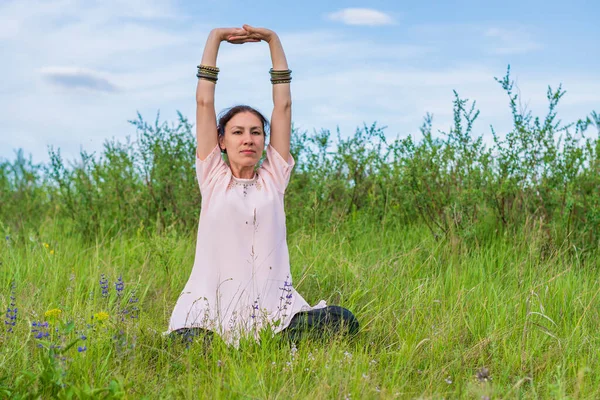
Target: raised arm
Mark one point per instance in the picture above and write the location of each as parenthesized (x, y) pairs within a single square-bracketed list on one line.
[(281, 119), (206, 119)]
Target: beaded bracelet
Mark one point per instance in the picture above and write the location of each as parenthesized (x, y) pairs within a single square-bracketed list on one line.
[(280, 76), (208, 73), (208, 68), (207, 78), (280, 71), (277, 81)]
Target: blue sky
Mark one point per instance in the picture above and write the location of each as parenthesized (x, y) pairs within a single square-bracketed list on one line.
[(75, 71)]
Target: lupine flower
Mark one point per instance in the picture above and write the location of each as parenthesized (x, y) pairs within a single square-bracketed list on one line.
[(123, 314), (11, 311), (54, 313), (285, 300), (83, 348), (254, 308), (104, 285), (135, 310), (101, 316), (40, 329), (119, 286), (131, 309), (124, 347)]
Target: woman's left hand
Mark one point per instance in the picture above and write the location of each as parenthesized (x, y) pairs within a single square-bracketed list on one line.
[(253, 35)]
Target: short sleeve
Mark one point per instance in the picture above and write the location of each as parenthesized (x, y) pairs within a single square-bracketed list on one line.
[(210, 169), (277, 168)]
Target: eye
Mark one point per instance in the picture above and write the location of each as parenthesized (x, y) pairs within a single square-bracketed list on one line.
[(257, 133), (236, 132)]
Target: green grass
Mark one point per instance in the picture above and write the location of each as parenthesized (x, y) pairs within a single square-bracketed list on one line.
[(433, 315)]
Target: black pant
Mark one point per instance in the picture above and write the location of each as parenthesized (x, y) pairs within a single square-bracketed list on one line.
[(188, 335), (323, 322)]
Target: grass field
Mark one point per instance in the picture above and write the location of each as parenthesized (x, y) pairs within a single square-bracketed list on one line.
[(439, 319)]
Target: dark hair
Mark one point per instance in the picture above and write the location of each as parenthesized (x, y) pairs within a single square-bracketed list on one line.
[(229, 113)]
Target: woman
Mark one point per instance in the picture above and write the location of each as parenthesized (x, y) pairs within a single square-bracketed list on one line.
[(240, 282)]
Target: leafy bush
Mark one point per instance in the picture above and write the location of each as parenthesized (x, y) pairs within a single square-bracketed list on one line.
[(542, 175)]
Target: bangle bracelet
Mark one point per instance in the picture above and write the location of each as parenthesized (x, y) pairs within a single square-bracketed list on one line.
[(280, 71), (208, 73), (276, 81), (208, 68), (280, 76), (213, 80), (207, 77)]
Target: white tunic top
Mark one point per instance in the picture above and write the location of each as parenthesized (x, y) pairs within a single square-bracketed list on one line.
[(241, 281)]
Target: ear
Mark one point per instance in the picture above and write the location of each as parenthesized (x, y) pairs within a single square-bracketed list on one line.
[(221, 143)]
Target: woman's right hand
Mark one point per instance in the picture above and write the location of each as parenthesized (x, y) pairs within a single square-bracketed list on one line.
[(223, 34)]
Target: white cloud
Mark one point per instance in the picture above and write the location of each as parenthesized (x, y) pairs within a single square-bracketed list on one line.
[(78, 78), (361, 16), (79, 70), (480, 40), (514, 41), (9, 29), (63, 55)]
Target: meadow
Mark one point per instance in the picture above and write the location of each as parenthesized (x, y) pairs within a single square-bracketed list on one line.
[(474, 271)]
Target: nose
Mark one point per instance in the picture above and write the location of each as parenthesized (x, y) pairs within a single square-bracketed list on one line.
[(248, 139)]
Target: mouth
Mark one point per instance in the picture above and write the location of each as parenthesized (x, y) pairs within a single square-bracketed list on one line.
[(248, 152)]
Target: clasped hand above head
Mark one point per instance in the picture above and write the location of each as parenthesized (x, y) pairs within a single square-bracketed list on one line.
[(245, 34)]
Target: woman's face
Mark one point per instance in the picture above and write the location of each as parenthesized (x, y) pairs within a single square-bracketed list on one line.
[(244, 139)]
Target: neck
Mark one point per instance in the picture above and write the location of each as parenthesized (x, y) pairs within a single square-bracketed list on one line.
[(242, 172)]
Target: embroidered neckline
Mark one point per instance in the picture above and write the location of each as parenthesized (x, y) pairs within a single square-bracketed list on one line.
[(245, 180), (244, 183)]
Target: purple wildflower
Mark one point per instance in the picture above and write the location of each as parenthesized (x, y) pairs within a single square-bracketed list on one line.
[(11, 311), (124, 344), (40, 329), (134, 309), (131, 309), (119, 286), (285, 300), (104, 285), (81, 349), (254, 308)]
